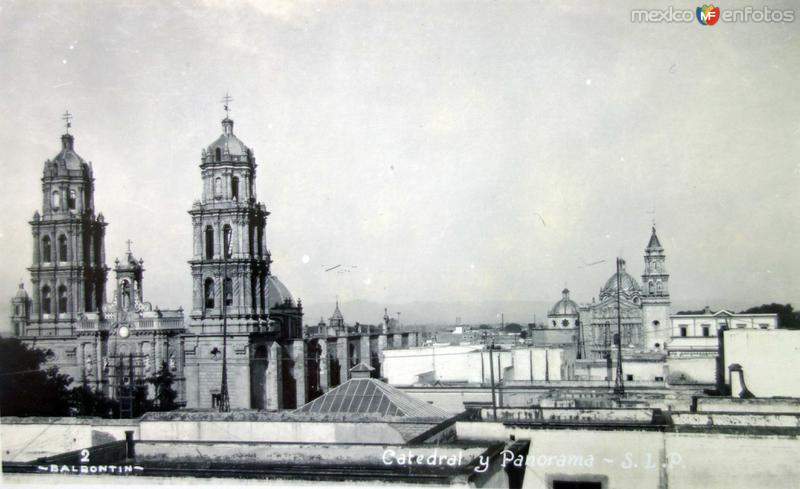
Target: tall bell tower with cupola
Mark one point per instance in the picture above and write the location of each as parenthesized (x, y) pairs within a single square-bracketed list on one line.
[(68, 271), (230, 262), (655, 294), (230, 276)]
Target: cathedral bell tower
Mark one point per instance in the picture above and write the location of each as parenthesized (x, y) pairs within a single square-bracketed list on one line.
[(230, 276), (655, 294), (68, 271), (231, 262)]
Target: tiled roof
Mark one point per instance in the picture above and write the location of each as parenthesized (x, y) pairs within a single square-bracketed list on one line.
[(371, 396)]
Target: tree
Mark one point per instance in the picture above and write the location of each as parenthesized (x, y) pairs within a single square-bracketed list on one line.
[(513, 328), (28, 389), (788, 318), (165, 395), (89, 402)]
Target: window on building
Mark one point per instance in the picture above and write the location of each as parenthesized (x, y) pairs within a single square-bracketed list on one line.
[(234, 188), (706, 330), (209, 242), (62, 299), (659, 287), (629, 377), (651, 288), (659, 379), (228, 288), (227, 234), (46, 306), (46, 256), (72, 200), (741, 325), (763, 326), (218, 187), (217, 154), (684, 331), (56, 202), (62, 248), (208, 293), (565, 323)]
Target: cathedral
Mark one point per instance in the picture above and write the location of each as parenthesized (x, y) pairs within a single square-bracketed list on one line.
[(643, 311), (244, 335)]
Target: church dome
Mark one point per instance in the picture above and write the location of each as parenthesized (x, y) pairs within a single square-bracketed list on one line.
[(628, 284), (277, 292), (564, 307), (228, 144), (68, 158)]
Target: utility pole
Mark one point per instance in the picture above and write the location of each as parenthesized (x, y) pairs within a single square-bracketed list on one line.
[(619, 386), (491, 376), (224, 399)]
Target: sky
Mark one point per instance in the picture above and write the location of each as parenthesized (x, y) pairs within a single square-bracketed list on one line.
[(437, 151)]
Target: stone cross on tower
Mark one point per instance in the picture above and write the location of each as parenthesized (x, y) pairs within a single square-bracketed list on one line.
[(67, 118), (129, 243), (226, 101)]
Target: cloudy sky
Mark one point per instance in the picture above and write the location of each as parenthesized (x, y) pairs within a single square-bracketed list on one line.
[(445, 151)]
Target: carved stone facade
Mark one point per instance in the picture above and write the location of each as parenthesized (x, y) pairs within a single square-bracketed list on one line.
[(234, 290), (644, 313), (90, 340), (271, 362)]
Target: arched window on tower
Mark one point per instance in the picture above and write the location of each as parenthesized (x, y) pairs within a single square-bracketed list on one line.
[(56, 202), (235, 188), (228, 288), (659, 287), (217, 154), (46, 300), (125, 295), (62, 248), (46, 252), (209, 242), (62, 299), (89, 297), (218, 188), (208, 293), (651, 288), (72, 200), (227, 234)]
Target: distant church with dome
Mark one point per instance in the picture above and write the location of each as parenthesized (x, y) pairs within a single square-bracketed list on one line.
[(644, 312), (271, 361)]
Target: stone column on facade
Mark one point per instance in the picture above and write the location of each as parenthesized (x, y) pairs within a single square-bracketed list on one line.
[(247, 286), (299, 370), (100, 360), (324, 368), (343, 352), (413, 339), (274, 387), (382, 345), (366, 358)]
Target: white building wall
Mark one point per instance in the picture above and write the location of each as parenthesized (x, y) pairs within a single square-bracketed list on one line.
[(471, 364), (769, 359)]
